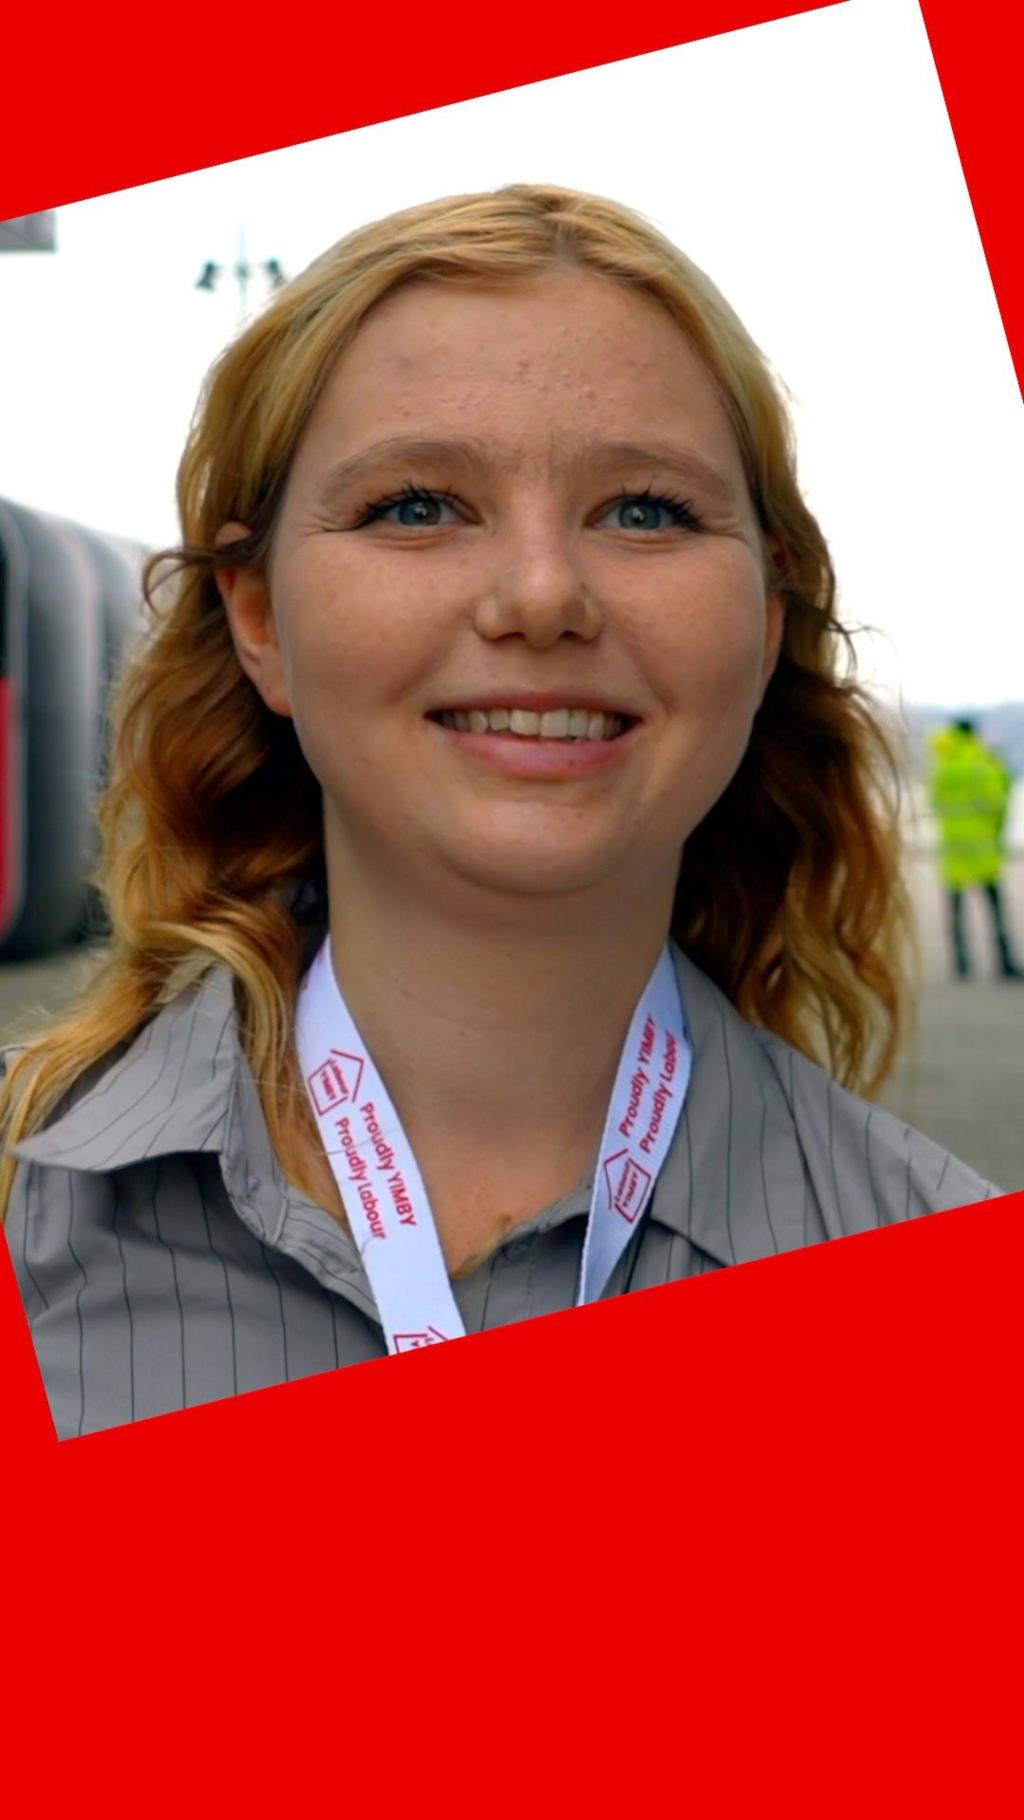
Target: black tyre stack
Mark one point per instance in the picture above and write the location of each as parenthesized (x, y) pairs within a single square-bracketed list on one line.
[(70, 604)]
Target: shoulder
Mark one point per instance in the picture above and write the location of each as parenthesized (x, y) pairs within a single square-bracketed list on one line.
[(829, 1162), (168, 1088), (167, 1091), (880, 1169)]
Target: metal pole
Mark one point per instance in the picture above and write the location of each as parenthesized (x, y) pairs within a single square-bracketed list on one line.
[(242, 273)]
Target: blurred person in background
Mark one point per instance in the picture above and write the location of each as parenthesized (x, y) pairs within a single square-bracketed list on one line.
[(971, 788)]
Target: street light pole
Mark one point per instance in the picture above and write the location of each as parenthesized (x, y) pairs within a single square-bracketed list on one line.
[(243, 273)]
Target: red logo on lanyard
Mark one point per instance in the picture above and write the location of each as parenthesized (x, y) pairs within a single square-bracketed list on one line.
[(336, 1081), (628, 1184), (408, 1342)]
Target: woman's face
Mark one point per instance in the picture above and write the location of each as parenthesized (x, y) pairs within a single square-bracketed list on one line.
[(525, 500)]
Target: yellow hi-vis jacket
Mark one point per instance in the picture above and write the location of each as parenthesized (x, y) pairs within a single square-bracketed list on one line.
[(970, 794)]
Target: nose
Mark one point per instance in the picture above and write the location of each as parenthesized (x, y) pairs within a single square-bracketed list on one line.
[(537, 589)]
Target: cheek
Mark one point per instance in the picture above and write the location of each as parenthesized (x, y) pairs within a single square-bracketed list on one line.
[(714, 625), (709, 679), (350, 637), (356, 642), (385, 600)]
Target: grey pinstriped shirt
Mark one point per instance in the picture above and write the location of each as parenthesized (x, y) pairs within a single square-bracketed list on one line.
[(164, 1261)]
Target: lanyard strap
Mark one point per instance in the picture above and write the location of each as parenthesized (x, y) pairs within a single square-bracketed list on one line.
[(384, 1194)]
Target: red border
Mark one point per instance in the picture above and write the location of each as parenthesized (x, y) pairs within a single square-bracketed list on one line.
[(767, 1522), (212, 86), (979, 56)]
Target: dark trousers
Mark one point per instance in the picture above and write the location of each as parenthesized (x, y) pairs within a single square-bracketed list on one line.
[(1007, 965)]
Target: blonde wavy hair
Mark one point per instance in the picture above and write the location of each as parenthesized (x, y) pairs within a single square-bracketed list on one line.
[(789, 893)]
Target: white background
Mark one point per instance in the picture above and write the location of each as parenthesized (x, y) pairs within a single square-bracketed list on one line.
[(808, 165)]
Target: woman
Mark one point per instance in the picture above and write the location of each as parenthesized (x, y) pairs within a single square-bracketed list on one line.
[(502, 650)]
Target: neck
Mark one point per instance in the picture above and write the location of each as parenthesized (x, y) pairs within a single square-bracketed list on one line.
[(497, 1028)]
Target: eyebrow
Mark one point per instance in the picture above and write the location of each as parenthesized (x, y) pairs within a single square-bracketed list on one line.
[(343, 475), (691, 467), (687, 463)]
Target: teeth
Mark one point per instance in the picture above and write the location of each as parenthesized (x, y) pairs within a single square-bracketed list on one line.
[(556, 723), (523, 720)]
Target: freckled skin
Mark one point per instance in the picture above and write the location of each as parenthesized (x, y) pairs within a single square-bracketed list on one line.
[(359, 632)]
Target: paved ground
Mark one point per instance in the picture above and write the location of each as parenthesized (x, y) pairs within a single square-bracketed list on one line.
[(961, 1081)]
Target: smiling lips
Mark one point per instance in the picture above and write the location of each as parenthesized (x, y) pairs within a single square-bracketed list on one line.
[(539, 737), (572, 724)]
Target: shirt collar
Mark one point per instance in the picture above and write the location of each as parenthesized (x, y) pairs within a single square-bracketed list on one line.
[(170, 1089), (183, 1084)]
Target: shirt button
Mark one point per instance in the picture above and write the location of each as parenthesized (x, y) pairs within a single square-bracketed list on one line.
[(517, 1249)]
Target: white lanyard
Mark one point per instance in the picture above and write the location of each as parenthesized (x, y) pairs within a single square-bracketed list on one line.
[(380, 1183)]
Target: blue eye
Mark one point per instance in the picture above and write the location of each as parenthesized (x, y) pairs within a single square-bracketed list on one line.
[(419, 508), (650, 512), (415, 508)]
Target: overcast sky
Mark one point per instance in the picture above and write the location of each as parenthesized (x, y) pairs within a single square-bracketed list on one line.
[(808, 165)]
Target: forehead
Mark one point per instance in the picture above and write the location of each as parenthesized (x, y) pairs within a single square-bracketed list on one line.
[(520, 362)]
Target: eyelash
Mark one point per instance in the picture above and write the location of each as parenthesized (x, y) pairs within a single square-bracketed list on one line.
[(376, 508), (679, 510)]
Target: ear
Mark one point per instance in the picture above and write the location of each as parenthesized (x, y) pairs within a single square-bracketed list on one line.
[(250, 615), (775, 614), (775, 626)]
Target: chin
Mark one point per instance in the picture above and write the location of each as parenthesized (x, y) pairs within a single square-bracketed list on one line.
[(536, 872)]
